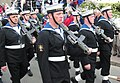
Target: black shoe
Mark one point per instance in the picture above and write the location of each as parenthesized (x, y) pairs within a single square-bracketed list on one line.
[(106, 81), (30, 73), (73, 80), (118, 56), (1, 80), (77, 72)]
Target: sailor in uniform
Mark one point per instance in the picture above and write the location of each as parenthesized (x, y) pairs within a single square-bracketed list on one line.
[(73, 50), (29, 44), (105, 47), (51, 53), (88, 61), (12, 47)]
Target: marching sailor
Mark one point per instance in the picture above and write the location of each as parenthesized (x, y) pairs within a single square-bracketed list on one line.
[(88, 61), (51, 53), (12, 45)]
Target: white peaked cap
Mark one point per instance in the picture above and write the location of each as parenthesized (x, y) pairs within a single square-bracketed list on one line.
[(33, 12), (106, 8), (25, 12), (54, 7), (11, 11), (87, 13)]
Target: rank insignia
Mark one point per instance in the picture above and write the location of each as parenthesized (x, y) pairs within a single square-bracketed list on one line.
[(40, 47)]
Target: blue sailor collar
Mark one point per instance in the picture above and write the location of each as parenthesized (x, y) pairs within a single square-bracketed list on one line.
[(85, 27), (103, 18), (49, 27), (9, 26)]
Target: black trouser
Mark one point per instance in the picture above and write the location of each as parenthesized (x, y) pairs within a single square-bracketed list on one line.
[(17, 70), (30, 52), (88, 75), (76, 63), (105, 62)]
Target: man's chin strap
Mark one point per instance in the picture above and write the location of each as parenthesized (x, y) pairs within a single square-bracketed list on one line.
[(54, 19), (107, 15), (12, 21), (78, 22), (89, 20), (25, 18)]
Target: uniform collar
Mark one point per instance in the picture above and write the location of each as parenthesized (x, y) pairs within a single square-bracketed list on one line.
[(85, 26), (49, 27)]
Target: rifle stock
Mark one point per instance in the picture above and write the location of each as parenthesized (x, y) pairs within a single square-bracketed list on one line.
[(24, 30), (33, 26), (74, 39), (100, 32)]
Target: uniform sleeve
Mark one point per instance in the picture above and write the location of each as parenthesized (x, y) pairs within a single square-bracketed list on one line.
[(84, 58), (42, 54), (82, 32), (2, 48)]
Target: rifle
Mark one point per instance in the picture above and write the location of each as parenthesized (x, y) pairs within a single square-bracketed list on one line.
[(14, 4), (39, 23), (74, 39), (37, 19), (24, 30), (100, 32), (33, 26)]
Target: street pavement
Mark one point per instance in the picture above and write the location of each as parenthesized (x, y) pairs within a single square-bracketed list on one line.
[(115, 70), (115, 61)]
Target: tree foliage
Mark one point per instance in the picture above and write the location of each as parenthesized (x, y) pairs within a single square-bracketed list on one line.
[(91, 5)]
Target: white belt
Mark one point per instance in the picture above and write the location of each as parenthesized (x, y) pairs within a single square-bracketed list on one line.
[(15, 46), (95, 50), (61, 58), (111, 40)]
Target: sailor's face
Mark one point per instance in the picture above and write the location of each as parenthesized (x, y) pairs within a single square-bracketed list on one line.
[(14, 18), (109, 13), (91, 17), (78, 18), (58, 16), (27, 17), (34, 16)]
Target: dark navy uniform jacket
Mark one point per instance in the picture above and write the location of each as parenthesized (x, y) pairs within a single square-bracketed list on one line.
[(108, 31), (50, 45), (11, 45), (90, 40), (73, 50)]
